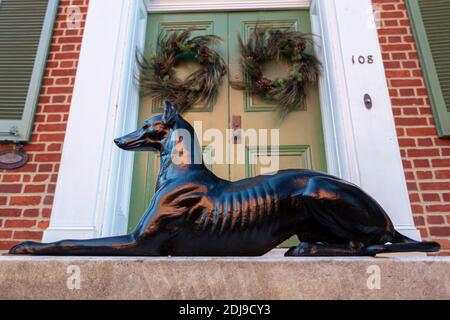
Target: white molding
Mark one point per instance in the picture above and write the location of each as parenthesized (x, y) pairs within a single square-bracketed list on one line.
[(118, 189), (338, 128), (94, 182), (89, 198), (224, 5)]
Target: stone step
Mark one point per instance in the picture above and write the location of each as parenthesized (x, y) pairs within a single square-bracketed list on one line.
[(268, 277)]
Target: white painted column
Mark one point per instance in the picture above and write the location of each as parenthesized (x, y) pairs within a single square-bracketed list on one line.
[(362, 144), (89, 201)]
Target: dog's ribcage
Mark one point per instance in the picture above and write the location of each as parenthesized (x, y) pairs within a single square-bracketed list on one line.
[(235, 209)]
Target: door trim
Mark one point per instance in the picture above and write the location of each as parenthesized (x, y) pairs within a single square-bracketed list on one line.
[(174, 6), (361, 145)]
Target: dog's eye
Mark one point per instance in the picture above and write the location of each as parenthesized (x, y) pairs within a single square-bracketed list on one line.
[(145, 127)]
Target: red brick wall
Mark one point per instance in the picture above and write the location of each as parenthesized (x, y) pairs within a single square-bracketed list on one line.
[(426, 158), (26, 194)]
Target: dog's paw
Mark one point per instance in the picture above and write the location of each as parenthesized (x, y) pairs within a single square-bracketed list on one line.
[(23, 248)]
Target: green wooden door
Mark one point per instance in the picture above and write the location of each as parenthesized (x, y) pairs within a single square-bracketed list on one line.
[(301, 135)]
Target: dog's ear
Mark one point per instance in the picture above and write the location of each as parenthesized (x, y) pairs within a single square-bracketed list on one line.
[(170, 113)]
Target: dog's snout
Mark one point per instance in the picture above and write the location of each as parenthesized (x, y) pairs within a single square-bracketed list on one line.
[(117, 141)]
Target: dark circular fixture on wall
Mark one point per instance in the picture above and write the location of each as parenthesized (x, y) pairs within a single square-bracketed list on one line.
[(13, 158)]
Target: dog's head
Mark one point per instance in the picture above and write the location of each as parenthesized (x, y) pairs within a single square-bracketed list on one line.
[(153, 134)]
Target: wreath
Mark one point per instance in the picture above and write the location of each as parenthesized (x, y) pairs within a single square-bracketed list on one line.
[(265, 45), (158, 79)]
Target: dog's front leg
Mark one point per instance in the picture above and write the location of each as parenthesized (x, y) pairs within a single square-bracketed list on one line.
[(112, 246)]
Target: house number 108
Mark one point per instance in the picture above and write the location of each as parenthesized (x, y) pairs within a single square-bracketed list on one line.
[(362, 59)]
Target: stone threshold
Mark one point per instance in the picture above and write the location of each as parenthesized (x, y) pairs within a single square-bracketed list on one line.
[(229, 278)]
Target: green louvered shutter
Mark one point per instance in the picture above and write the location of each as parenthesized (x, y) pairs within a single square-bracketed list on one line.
[(431, 25), (25, 34)]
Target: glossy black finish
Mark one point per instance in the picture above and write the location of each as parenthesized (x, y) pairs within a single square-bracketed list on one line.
[(195, 213)]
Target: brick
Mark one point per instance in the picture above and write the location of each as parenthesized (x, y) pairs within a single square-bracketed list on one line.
[(423, 153), (419, 220), (41, 177), (406, 142), (48, 200), (35, 188), (58, 127), (422, 163), (5, 234), (435, 186), (10, 188), (431, 197), (422, 175), (421, 132), (59, 90), (54, 147), (414, 197), (31, 213), (48, 157), (11, 178), (440, 163), (442, 174), (20, 223), (46, 213), (25, 200), (59, 99), (403, 122), (28, 235), (43, 225), (435, 220), (410, 102), (438, 208), (6, 245), (26, 168), (406, 83), (10, 212), (45, 168), (427, 142), (57, 108), (440, 231), (51, 137)]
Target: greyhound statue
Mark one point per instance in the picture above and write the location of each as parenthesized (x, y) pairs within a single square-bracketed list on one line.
[(195, 213)]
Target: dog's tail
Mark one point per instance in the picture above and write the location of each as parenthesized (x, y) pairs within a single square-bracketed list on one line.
[(401, 243)]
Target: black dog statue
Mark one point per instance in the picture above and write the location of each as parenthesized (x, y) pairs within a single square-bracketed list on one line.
[(195, 213)]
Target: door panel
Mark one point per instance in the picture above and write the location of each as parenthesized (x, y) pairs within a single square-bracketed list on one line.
[(301, 136), (301, 129)]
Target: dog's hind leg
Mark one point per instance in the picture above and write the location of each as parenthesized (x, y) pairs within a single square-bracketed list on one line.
[(113, 246), (347, 212)]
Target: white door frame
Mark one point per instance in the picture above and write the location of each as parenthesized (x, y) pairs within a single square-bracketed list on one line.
[(94, 184)]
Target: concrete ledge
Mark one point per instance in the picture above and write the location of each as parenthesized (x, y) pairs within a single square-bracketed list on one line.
[(268, 277)]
